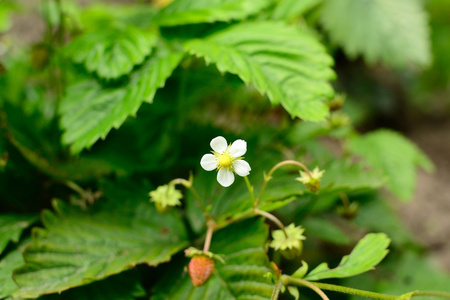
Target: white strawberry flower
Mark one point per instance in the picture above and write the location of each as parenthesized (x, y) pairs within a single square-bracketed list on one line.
[(227, 159)]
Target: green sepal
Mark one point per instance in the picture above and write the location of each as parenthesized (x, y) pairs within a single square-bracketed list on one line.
[(301, 272)]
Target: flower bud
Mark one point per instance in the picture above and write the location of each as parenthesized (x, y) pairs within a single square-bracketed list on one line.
[(165, 197), (349, 212), (288, 242), (336, 103), (312, 179), (338, 120)]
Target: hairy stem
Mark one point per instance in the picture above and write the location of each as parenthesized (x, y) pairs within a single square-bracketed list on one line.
[(300, 282), (250, 188), (268, 176), (431, 293), (356, 292), (209, 234), (351, 291), (271, 218), (276, 290), (344, 199), (182, 181)]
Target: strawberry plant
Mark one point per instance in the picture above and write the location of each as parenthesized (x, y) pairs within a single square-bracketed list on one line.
[(118, 181)]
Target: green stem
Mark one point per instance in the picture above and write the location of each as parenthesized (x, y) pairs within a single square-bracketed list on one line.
[(181, 181), (291, 280), (188, 184), (351, 291), (356, 292), (276, 290), (345, 200), (268, 176), (250, 188), (75, 187), (433, 294), (271, 218)]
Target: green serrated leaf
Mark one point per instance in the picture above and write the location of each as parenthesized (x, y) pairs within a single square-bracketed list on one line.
[(369, 251), (124, 286), (394, 32), (12, 225), (181, 12), (112, 51), (241, 277), (11, 261), (89, 111), (290, 9), (287, 64), (394, 156), (78, 247)]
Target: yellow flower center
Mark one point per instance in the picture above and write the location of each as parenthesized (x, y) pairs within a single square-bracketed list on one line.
[(225, 160)]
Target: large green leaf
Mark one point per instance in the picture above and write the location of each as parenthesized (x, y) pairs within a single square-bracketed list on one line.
[(369, 251), (40, 145), (123, 286), (181, 12), (393, 155), (392, 31), (78, 247), (242, 275), (112, 51), (89, 111), (11, 227), (287, 64), (290, 9)]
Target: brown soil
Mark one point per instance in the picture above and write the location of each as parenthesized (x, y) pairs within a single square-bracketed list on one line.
[(428, 215)]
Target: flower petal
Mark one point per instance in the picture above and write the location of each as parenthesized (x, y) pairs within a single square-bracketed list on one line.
[(225, 177), (208, 162), (238, 148), (219, 144), (241, 167)]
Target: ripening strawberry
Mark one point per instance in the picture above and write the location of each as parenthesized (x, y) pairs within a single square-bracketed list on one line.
[(200, 269)]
